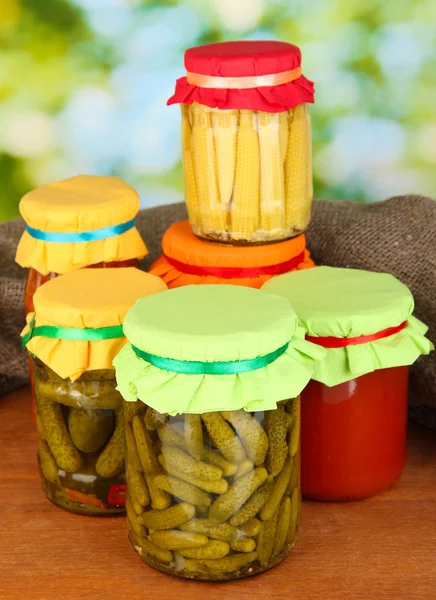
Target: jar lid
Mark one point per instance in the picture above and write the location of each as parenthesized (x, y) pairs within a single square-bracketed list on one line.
[(363, 319), (254, 75), (77, 222), (189, 260), (78, 318), (207, 348)]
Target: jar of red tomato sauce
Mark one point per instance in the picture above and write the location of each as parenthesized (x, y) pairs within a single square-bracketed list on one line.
[(83, 221), (354, 411)]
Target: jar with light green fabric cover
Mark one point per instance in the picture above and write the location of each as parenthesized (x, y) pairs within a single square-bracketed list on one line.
[(354, 412), (211, 379)]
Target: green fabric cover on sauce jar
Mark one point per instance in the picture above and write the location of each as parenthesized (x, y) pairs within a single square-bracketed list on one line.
[(211, 379)]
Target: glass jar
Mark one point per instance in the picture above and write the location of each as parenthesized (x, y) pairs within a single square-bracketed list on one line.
[(189, 260), (82, 221), (72, 338), (354, 411), (246, 141), (80, 440), (214, 496), (212, 449), (367, 455)]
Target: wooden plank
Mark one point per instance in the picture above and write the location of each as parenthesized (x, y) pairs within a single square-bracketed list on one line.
[(380, 548)]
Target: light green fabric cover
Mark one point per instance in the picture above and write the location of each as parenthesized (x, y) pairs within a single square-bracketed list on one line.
[(350, 303), (213, 323)]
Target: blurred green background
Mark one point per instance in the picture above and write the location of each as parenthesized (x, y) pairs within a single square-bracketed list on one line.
[(83, 86)]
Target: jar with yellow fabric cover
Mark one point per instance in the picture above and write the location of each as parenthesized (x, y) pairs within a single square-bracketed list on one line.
[(246, 141), (79, 222), (211, 379), (72, 337)]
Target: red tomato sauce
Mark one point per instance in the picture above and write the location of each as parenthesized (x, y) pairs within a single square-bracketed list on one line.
[(353, 435)]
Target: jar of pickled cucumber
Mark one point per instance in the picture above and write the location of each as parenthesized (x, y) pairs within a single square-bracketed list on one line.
[(187, 260), (354, 412), (246, 141), (72, 338), (211, 379), (83, 221)]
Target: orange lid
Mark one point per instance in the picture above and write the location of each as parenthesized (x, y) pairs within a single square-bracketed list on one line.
[(188, 260)]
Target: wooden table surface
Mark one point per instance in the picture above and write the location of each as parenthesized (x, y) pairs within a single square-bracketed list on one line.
[(380, 548)]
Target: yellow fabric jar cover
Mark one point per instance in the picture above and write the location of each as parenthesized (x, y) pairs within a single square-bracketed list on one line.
[(90, 298), (84, 203)]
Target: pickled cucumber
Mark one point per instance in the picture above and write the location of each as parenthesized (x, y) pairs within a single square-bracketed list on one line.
[(243, 545), (170, 436), (213, 487), (253, 505), (137, 487), (295, 515), (80, 394), (276, 428), (217, 531), (159, 499), (251, 528), (243, 468), (48, 464), (129, 411), (174, 539), (154, 419), (283, 523), (61, 447), (212, 550), (265, 539), (229, 503), (90, 429), (217, 459), (170, 518), (132, 517), (194, 436), (294, 439), (184, 463), (230, 564), (295, 475), (146, 547), (251, 433), (224, 438), (183, 490), (111, 460), (133, 459), (280, 484), (143, 445)]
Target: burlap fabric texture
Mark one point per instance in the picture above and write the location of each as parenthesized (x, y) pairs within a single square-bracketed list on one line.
[(397, 236)]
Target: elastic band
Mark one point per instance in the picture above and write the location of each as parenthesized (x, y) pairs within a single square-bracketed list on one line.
[(334, 342), (191, 367), (237, 272), (241, 83), (81, 236), (85, 334)]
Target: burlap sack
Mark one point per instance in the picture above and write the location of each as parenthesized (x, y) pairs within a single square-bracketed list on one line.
[(397, 236)]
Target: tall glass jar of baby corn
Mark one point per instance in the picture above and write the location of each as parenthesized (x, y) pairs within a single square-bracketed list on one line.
[(78, 222), (72, 337), (246, 141), (211, 379)]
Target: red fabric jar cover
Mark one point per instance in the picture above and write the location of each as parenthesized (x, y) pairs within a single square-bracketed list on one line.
[(234, 66)]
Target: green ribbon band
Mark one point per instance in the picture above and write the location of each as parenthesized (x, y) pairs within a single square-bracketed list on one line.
[(193, 367), (84, 334)]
